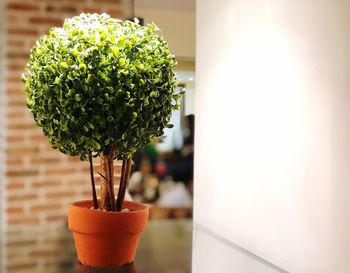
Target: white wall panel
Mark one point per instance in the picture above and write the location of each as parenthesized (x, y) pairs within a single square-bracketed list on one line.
[(272, 158)]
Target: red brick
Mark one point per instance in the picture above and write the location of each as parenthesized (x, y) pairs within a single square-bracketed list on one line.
[(22, 6), (15, 67), (44, 253), (22, 31), (14, 210), (22, 172), (13, 78), (18, 55), (19, 127), (16, 103), (46, 20), (46, 207), (14, 115), (15, 138), (92, 10), (17, 185), (22, 197), (45, 184), (45, 160), (15, 43), (23, 220), (25, 242), (22, 150), (69, 9), (58, 195)]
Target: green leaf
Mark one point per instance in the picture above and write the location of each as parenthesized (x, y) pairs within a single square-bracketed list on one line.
[(122, 61), (115, 51), (96, 145), (57, 80), (91, 125), (64, 65), (77, 97), (82, 67), (75, 53)]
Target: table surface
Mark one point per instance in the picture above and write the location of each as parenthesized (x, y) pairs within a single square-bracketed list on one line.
[(165, 247)]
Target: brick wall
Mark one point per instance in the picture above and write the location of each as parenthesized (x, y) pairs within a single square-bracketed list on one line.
[(2, 113), (2, 132), (39, 182)]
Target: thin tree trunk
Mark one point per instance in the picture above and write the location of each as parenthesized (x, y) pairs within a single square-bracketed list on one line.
[(121, 183), (107, 190), (126, 170), (111, 178), (94, 196)]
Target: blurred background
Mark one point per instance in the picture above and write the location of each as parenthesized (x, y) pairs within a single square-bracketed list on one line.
[(37, 183)]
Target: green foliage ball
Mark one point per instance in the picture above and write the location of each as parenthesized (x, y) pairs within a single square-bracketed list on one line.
[(98, 82)]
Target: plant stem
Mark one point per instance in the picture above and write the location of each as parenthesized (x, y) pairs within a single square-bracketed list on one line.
[(124, 182), (94, 196), (111, 178), (107, 189), (121, 183)]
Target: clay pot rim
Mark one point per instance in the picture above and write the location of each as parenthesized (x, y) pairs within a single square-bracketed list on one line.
[(142, 207), (83, 219)]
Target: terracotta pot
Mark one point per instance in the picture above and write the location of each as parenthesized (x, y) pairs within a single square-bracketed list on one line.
[(106, 239)]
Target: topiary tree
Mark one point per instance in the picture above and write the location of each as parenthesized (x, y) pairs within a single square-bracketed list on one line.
[(101, 87)]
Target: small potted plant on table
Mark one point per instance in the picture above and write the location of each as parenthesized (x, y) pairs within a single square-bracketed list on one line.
[(102, 87)]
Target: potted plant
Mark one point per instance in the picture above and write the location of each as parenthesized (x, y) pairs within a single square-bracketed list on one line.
[(102, 87)]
